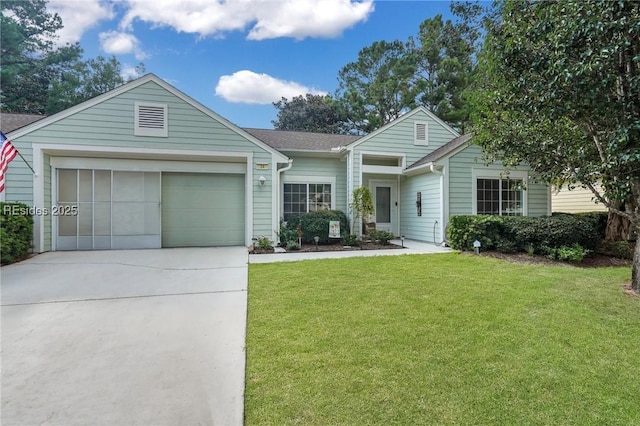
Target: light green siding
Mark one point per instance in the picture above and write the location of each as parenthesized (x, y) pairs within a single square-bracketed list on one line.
[(422, 227), (398, 138), (110, 123), (323, 167), (461, 167)]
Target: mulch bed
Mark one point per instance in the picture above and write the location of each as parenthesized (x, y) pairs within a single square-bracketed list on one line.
[(334, 247), (591, 261)]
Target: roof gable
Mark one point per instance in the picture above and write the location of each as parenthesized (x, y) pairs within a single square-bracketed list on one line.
[(133, 85), (404, 117)]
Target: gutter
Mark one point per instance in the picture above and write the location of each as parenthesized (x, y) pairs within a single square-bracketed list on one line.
[(278, 194), (432, 168)]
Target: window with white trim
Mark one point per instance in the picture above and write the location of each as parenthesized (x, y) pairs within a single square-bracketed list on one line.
[(305, 197), (151, 119), (420, 133), (501, 196)]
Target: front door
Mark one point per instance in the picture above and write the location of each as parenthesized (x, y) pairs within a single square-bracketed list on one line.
[(385, 201)]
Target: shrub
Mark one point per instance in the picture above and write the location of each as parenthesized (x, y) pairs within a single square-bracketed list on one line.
[(317, 224), (287, 235), (264, 243), (350, 240), (532, 234), (292, 245), (383, 236), (16, 232), (575, 253), (464, 230), (619, 249)]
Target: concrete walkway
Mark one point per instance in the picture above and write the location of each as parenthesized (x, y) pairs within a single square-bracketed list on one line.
[(128, 337), (411, 247)]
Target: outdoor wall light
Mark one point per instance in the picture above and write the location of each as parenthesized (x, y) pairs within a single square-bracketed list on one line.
[(262, 180)]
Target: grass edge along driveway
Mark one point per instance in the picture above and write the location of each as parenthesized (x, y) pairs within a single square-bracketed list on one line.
[(440, 339)]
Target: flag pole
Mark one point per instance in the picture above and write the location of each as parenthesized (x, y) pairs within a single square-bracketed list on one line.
[(25, 162)]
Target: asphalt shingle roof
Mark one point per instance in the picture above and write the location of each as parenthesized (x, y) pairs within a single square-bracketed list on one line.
[(10, 122), (442, 151), (306, 141)]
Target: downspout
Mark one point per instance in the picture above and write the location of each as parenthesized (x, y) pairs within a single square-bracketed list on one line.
[(278, 192), (435, 171)]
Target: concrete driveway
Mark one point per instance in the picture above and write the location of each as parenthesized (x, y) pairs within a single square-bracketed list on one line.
[(132, 337)]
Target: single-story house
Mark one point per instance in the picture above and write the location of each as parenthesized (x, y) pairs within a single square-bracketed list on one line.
[(146, 166)]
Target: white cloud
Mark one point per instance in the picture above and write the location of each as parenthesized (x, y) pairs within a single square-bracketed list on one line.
[(308, 18), (118, 43), (252, 88), (129, 72), (266, 18), (78, 17)]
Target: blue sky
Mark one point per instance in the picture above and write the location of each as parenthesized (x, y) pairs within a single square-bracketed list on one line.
[(237, 57)]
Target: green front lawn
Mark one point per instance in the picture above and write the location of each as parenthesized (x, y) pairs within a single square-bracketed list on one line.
[(440, 339)]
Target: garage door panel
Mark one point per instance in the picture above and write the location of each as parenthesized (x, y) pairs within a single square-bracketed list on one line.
[(202, 209)]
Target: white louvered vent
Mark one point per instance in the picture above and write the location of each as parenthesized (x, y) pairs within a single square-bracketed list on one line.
[(151, 120), (421, 136)]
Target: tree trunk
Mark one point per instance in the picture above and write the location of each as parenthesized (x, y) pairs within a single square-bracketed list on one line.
[(618, 228), (635, 269)]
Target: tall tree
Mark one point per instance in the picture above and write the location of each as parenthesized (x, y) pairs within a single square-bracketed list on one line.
[(29, 60), (310, 113), (38, 77), (444, 52), (561, 91), (377, 88), (85, 80)]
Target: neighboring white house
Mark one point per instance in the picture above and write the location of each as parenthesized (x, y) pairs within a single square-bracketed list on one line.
[(577, 200), (147, 166)]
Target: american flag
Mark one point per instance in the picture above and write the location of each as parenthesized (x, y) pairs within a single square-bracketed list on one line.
[(7, 154)]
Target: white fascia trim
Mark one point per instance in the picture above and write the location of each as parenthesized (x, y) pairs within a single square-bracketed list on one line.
[(401, 119), (38, 199), (248, 214), (383, 170), (141, 165), (60, 149), (495, 173)]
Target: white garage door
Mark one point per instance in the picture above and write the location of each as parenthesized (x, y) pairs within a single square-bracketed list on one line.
[(203, 209)]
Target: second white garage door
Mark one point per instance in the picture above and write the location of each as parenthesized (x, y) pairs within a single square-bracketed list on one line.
[(200, 209)]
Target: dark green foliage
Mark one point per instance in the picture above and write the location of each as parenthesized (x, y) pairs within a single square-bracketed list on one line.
[(264, 243), (313, 113), (16, 232), (317, 224), (531, 234), (574, 253), (464, 230), (619, 249), (351, 240), (287, 234), (383, 236)]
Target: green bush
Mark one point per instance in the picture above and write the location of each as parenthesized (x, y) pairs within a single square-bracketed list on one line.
[(575, 253), (16, 232), (351, 240), (619, 249), (264, 243), (317, 224), (532, 234), (287, 235), (464, 230), (383, 236)]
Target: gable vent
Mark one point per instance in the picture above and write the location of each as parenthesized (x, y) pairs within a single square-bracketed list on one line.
[(421, 134), (151, 120)]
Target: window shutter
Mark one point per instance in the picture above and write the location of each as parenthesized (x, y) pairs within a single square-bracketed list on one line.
[(151, 120), (420, 134)]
